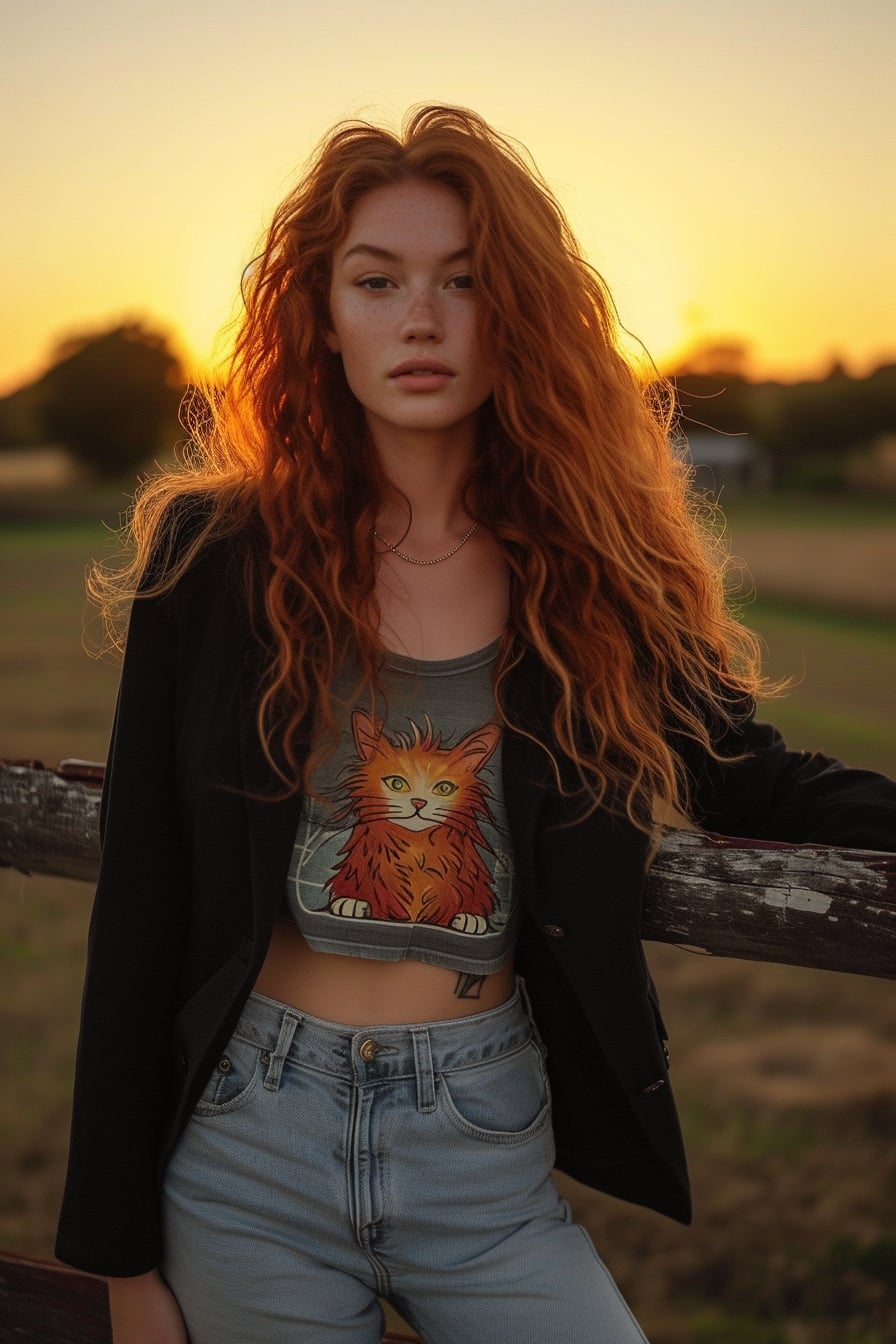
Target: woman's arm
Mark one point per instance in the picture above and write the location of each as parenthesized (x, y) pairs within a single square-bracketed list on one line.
[(794, 796), (143, 1310)]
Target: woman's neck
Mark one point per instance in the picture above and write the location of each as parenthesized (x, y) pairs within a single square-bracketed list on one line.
[(427, 476)]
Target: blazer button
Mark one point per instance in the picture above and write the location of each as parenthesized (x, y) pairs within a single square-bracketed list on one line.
[(553, 931), (653, 1087)]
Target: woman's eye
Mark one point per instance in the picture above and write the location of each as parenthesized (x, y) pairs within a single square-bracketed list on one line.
[(461, 282), (374, 282)]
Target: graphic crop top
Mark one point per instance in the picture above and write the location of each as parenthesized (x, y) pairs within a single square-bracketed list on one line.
[(405, 852)]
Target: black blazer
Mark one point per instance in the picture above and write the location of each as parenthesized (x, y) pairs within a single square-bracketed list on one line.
[(197, 840)]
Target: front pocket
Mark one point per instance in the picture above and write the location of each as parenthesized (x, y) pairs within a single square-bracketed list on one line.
[(233, 1080), (504, 1100)]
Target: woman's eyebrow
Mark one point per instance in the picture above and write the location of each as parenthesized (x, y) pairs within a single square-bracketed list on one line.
[(383, 253)]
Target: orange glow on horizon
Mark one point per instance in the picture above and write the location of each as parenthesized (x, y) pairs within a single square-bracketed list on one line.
[(203, 347), (727, 176)]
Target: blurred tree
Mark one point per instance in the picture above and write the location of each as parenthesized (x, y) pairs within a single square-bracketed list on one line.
[(720, 357), (712, 390), (810, 430), (108, 397), (20, 420), (832, 417)]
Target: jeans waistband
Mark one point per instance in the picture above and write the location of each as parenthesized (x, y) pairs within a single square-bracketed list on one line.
[(377, 1052)]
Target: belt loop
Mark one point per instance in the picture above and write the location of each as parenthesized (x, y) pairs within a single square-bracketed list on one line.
[(426, 1085), (281, 1050)]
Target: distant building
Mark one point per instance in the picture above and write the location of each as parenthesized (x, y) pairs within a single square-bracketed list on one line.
[(731, 462), (49, 467)]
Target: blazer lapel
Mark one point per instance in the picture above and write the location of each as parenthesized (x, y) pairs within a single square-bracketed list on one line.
[(593, 860), (526, 767)]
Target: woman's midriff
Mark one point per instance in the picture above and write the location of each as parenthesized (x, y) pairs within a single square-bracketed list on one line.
[(363, 991)]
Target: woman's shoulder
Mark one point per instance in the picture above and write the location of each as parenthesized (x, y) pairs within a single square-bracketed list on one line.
[(197, 539)]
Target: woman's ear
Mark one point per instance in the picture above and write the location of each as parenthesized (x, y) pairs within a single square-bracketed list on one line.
[(332, 342)]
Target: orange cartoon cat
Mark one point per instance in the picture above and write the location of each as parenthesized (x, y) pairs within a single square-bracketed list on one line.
[(414, 850)]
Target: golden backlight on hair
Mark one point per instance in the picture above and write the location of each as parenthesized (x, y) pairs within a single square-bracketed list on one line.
[(616, 583)]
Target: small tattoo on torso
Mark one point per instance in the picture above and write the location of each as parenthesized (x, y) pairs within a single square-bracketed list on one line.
[(468, 986)]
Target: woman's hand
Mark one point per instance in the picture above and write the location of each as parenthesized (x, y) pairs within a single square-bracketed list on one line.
[(144, 1311)]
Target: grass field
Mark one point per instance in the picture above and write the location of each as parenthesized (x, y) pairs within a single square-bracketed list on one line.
[(786, 1077), (844, 675)]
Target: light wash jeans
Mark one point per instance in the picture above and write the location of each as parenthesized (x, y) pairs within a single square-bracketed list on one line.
[(328, 1165)]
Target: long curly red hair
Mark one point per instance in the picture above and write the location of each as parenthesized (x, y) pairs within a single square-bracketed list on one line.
[(617, 583)]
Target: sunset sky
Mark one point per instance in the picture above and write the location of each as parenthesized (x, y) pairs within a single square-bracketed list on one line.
[(729, 167)]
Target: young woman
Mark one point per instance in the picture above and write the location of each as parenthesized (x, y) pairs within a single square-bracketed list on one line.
[(423, 636)]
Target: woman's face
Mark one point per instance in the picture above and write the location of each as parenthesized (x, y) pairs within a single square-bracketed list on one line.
[(404, 311)]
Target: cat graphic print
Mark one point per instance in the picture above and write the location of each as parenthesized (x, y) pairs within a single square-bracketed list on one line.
[(414, 848), (405, 835)]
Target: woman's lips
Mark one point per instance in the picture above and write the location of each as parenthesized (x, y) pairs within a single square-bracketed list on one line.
[(421, 366), (422, 375)]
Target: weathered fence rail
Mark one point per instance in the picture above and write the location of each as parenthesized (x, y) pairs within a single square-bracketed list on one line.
[(42, 1303), (805, 905)]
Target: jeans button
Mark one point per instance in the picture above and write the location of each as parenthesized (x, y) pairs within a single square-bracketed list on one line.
[(368, 1050)]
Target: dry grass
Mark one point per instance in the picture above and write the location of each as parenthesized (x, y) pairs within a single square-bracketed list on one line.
[(853, 570), (55, 701), (43, 927), (786, 1078), (799, 1069)]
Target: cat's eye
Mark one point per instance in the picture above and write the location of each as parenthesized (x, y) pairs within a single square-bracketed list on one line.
[(444, 788), (397, 783)]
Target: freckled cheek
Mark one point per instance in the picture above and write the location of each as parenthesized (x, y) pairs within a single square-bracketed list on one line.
[(363, 336), (360, 344)]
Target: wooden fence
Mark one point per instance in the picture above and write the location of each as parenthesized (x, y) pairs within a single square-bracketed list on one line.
[(41, 1303), (805, 905)]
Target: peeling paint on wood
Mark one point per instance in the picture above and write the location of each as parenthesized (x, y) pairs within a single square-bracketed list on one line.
[(805, 905), (48, 824), (797, 898)]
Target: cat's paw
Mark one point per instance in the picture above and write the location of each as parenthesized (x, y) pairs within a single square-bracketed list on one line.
[(469, 923), (350, 907)]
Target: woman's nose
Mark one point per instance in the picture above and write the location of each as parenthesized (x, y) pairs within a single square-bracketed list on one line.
[(421, 320)]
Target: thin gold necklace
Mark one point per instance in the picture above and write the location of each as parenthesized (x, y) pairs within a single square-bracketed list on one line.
[(410, 559)]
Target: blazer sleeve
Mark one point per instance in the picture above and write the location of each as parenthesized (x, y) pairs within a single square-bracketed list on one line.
[(773, 793), (109, 1222)]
